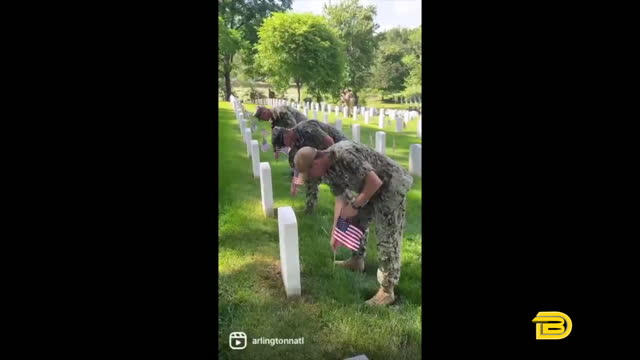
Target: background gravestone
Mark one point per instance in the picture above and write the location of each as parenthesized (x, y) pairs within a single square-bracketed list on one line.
[(355, 131), (255, 158), (247, 138), (381, 142), (415, 159), (266, 189)]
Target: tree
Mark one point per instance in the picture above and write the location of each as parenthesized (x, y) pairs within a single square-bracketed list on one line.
[(229, 42), (302, 48), (242, 18), (356, 27), (413, 61), (389, 72)]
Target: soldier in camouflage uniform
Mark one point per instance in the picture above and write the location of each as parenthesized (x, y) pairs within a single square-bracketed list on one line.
[(283, 116), (368, 186), (311, 133)]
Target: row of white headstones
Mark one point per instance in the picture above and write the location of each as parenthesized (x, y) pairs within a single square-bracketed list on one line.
[(309, 104), (401, 117), (287, 222)]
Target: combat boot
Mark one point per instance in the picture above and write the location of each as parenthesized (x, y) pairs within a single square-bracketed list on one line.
[(355, 263), (382, 297)]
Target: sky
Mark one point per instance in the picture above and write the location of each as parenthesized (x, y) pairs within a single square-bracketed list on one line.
[(390, 13)]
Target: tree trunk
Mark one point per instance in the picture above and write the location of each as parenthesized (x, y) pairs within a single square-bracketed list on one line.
[(298, 85), (227, 85), (227, 76)]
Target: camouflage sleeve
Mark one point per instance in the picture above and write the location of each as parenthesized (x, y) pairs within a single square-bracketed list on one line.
[(317, 133), (353, 162), (292, 155)]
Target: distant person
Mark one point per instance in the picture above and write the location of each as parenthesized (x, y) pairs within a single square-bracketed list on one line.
[(349, 100)]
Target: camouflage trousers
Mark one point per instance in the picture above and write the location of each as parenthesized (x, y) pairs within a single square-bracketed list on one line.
[(311, 201), (388, 213)]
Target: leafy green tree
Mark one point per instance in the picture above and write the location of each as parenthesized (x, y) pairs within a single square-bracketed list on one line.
[(241, 19), (413, 61), (389, 72), (356, 26), (229, 42), (303, 49)]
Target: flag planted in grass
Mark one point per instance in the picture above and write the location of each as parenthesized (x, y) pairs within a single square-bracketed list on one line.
[(278, 150), (347, 235)]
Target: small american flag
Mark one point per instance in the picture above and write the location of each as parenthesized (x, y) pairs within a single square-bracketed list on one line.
[(278, 150), (347, 235)]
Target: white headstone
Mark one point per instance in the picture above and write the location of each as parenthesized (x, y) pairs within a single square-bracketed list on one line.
[(355, 131), (398, 124), (326, 118), (289, 253), (247, 139), (328, 107), (406, 117), (306, 113), (265, 189), (371, 110), (420, 127), (381, 119), (344, 112), (381, 142), (366, 117), (355, 113), (415, 159), (315, 114), (359, 357), (337, 109), (255, 158), (339, 124), (243, 125)]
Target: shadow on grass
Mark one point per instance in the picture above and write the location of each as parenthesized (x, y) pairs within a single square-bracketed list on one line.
[(252, 300)]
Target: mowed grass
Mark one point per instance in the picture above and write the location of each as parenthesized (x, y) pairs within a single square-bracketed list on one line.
[(330, 314)]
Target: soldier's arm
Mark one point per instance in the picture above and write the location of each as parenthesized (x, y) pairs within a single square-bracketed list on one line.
[(365, 171), (319, 133), (371, 185), (292, 155)]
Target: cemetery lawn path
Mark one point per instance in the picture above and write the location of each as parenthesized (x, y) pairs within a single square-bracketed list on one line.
[(330, 314)]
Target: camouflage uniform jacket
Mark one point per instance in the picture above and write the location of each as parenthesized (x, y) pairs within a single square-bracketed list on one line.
[(286, 117), (311, 133), (351, 162)]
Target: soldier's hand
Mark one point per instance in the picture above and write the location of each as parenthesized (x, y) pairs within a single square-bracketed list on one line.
[(348, 212)]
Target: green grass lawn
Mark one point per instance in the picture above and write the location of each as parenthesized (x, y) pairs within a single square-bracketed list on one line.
[(330, 314)]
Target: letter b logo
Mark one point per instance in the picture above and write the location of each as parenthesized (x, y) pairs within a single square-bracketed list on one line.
[(552, 325)]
